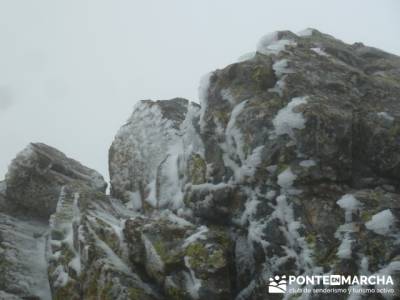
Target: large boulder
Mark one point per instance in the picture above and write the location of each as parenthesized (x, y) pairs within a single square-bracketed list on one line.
[(23, 267), (188, 261), (36, 176), (298, 161), (87, 253), (305, 130), (146, 158)]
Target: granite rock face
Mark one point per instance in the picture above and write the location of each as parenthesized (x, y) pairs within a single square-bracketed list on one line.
[(36, 175), (143, 145), (289, 166)]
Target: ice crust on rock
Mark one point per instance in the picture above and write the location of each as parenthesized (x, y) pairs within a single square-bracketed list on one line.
[(271, 44), (382, 222), (288, 119)]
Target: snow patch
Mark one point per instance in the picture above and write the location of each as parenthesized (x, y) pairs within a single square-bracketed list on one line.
[(281, 68), (3, 187), (271, 44), (234, 157), (193, 284), (135, 202), (246, 56), (344, 250), (307, 163), (203, 97), (286, 179), (279, 86), (61, 276), (287, 119), (319, 51), (233, 134), (382, 222), (349, 203), (285, 214), (175, 219), (385, 116), (306, 32), (250, 210), (200, 234), (250, 165)]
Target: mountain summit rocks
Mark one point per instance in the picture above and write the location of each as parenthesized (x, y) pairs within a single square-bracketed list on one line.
[(35, 176), (290, 165)]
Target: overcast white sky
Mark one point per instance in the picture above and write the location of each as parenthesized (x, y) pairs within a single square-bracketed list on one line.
[(71, 70)]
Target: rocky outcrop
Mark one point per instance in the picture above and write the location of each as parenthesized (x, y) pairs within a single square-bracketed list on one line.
[(23, 266), (295, 143), (146, 157), (36, 176), (186, 260), (290, 166), (87, 252)]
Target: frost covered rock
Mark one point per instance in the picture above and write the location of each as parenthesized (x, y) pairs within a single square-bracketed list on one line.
[(309, 126), (290, 166), (35, 177), (146, 158), (23, 266), (187, 261), (88, 257)]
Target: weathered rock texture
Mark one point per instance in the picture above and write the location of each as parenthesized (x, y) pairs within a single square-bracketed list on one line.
[(290, 166), (36, 175)]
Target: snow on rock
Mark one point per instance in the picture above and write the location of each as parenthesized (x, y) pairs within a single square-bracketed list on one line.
[(307, 163), (145, 153), (191, 140), (286, 179), (173, 218), (250, 210), (250, 165), (385, 116), (382, 222), (279, 86), (198, 235), (319, 51), (288, 119), (296, 245), (193, 284), (306, 32), (36, 175), (246, 56), (349, 203), (152, 151), (3, 187), (344, 250), (135, 201), (233, 147), (271, 44), (203, 97), (281, 68), (22, 256)]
